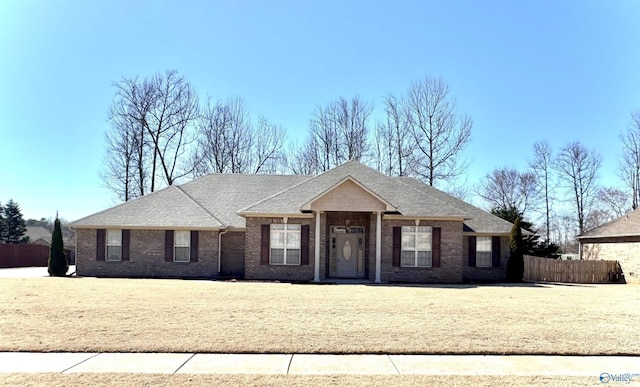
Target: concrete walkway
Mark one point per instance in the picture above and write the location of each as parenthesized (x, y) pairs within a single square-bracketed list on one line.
[(302, 364)]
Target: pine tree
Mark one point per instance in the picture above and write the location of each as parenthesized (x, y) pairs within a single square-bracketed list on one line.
[(515, 265), (14, 225), (58, 264)]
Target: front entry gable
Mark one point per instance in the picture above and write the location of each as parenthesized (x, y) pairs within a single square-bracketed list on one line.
[(348, 195)]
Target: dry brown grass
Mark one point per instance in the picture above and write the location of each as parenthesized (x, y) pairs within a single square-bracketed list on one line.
[(97, 380), (106, 315)]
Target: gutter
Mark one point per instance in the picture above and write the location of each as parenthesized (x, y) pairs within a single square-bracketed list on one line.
[(220, 247)]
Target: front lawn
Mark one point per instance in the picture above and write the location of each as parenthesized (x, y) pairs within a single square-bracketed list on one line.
[(144, 315)]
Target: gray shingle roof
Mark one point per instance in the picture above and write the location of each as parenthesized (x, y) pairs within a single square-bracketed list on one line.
[(626, 225), (224, 194), (409, 201), (221, 200), (478, 220), (168, 208)]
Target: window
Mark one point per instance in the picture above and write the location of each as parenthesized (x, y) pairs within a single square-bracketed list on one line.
[(483, 252), (114, 245), (182, 246), (416, 246), (285, 244)]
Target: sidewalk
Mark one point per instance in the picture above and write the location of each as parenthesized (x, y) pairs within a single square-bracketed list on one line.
[(302, 364)]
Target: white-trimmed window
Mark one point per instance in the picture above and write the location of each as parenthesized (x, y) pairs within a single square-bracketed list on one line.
[(114, 245), (182, 246), (416, 246), (285, 244), (483, 252)]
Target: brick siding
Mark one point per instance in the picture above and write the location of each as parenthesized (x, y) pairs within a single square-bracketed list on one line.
[(450, 270), (252, 267), (627, 253), (232, 254), (485, 274), (147, 257)]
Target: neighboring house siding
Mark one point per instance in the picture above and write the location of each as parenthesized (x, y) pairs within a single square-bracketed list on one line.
[(255, 270), (450, 270), (232, 260), (146, 257), (627, 253), (485, 274)]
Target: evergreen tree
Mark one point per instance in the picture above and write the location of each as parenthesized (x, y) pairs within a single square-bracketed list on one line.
[(531, 244), (58, 264), (14, 225), (3, 225), (515, 265)]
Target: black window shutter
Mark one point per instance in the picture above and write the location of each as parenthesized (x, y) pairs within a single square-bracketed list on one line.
[(264, 244), (472, 251), (168, 246), (100, 244), (397, 244), (495, 251), (193, 254), (126, 242), (304, 244), (435, 247)]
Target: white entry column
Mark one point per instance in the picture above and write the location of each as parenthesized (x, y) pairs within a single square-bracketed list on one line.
[(378, 245), (316, 255)]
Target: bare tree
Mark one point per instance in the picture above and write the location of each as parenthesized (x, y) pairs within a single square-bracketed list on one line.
[(174, 110), (613, 202), (304, 159), (508, 188), (542, 167), (268, 141), (126, 169), (150, 122), (394, 142), (440, 132), (630, 160), (228, 142), (341, 131), (578, 167)]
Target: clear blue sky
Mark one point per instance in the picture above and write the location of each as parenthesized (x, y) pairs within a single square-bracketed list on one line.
[(524, 70)]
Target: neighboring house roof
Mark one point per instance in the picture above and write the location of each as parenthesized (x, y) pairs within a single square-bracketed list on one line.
[(42, 236), (38, 232), (223, 200), (626, 225)]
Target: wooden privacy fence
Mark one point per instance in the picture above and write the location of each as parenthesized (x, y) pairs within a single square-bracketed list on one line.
[(23, 255), (583, 271)]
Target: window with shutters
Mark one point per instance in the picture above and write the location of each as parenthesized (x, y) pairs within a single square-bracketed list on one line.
[(182, 246), (483, 252), (416, 246), (114, 245), (284, 244)]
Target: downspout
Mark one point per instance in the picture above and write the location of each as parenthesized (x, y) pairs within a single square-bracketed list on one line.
[(220, 247)]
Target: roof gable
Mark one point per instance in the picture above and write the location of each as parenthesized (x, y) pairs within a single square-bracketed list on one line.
[(407, 201), (626, 225), (349, 194)]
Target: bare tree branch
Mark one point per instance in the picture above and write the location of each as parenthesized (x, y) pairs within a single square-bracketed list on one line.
[(578, 167), (440, 132), (630, 160)]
